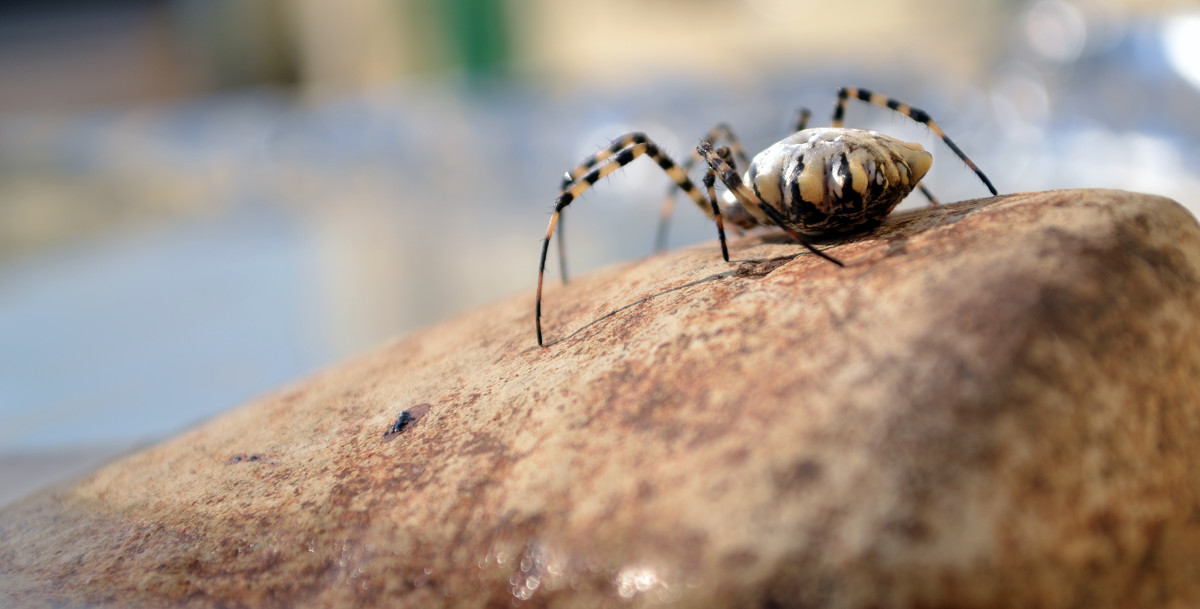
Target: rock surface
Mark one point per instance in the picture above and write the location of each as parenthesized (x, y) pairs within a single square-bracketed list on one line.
[(994, 404)]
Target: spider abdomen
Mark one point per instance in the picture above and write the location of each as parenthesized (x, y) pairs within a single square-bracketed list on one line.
[(832, 180)]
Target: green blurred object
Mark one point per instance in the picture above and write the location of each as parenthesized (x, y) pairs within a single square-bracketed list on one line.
[(478, 37)]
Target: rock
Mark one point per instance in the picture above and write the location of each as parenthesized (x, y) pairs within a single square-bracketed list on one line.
[(994, 404)]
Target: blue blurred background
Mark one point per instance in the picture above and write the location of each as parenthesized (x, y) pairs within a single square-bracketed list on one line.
[(201, 200)]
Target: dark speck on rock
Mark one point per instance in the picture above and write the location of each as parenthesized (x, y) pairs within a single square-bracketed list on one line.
[(406, 418), (244, 458)]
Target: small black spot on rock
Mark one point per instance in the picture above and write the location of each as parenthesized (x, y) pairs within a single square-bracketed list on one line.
[(406, 418), (799, 475)]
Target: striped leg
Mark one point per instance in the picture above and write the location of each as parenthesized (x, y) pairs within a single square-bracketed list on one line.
[(569, 178), (710, 180), (721, 132), (619, 144), (602, 165), (802, 116), (916, 114), (714, 137), (933, 202), (729, 175)]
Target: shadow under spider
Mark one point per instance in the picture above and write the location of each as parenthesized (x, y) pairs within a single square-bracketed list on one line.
[(897, 223), (734, 272)]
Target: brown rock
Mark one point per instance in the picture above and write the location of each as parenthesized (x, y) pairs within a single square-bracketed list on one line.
[(995, 404)]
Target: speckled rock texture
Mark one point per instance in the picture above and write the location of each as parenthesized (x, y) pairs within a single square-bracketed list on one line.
[(995, 403)]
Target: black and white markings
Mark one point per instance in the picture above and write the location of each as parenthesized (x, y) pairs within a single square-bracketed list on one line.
[(815, 182)]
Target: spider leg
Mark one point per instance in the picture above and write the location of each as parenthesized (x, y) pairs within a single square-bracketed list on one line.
[(710, 180), (562, 251), (721, 132), (600, 157), (582, 168), (729, 175), (916, 114), (933, 202), (638, 145), (802, 116)]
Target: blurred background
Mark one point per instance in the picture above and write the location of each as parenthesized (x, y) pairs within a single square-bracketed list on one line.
[(201, 200)]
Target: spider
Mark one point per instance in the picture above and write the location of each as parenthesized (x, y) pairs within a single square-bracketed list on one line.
[(816, 182)]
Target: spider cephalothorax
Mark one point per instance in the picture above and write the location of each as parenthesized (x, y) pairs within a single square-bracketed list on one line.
[(815, 182)]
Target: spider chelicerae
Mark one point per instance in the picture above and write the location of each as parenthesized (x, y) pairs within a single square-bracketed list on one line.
[(815, 182)]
